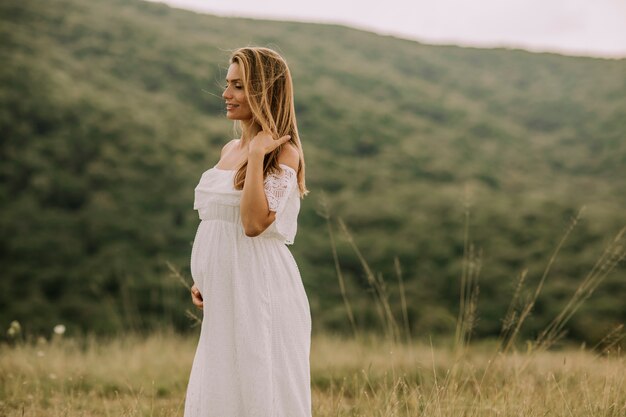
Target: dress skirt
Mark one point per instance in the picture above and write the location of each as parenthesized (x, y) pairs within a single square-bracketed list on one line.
[(252, 358)]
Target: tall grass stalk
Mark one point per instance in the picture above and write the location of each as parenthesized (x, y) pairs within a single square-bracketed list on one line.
[(513, 321), (614, 253), (377, 283), (610, 340), (178, 277), (468, 301), (405, 311), (324, 212)]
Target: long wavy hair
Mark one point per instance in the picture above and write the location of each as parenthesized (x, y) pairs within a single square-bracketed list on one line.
[(268, 88)]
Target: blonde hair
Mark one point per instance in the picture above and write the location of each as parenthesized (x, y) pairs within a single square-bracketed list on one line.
[(269, 90)]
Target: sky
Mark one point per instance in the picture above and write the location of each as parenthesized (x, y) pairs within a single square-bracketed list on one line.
[(571, 27)]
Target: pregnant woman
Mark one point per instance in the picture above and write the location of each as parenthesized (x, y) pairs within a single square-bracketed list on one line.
[(252, 358)]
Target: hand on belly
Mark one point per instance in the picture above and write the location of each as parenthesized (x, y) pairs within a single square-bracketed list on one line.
[(196, 297)]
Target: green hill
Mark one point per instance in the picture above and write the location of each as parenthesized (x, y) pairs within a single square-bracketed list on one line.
[(111, 109)]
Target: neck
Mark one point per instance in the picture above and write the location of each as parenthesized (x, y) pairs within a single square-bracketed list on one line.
[(250, 129)]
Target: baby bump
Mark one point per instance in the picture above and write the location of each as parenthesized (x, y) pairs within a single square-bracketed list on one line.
[(211, 254)]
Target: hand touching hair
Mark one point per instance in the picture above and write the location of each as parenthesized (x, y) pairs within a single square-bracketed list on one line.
[(268, 88)]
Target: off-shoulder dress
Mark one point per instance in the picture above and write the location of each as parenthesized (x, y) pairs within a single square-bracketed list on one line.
[(252, 357)]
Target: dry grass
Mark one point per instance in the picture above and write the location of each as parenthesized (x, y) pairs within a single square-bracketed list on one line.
[(383, 379), (147, 376)]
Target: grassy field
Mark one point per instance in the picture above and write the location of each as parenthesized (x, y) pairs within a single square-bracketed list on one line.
[(386, 373), (134, 375)]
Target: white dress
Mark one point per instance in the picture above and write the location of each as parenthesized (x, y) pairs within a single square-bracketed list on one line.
[(252, 358)]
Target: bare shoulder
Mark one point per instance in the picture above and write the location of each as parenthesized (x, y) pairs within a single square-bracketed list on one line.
[(289, 156), (228, 145)]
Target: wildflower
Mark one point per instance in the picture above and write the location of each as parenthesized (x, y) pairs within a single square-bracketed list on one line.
[(14, 329), (59, 329)]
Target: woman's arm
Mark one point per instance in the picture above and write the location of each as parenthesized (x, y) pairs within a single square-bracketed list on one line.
[(255, 213)]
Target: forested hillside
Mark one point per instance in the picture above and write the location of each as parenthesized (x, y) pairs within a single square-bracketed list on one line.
[(110, 110)]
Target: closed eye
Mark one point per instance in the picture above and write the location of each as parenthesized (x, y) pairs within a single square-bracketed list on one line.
[(236, 85)]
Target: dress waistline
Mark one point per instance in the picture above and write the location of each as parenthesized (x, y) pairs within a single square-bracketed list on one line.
[(231, 214), (220, 212)]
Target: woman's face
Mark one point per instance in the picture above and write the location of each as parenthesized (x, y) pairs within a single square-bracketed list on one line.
[(237, 107)]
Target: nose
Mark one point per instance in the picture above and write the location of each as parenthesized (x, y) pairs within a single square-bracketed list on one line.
[(226, 94)]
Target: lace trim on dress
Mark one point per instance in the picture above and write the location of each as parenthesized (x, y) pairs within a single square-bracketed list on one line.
[(283, 198), (278, 187)]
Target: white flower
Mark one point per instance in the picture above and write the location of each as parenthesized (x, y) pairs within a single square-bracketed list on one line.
[(14, 329), (59, 329)]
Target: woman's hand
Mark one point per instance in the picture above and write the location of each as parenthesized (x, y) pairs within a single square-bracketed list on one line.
[(196, 297), (264, 143)]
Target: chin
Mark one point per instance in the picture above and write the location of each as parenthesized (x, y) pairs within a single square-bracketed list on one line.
[(238, 117)]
